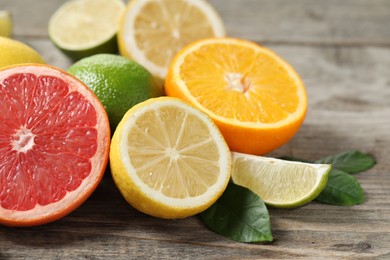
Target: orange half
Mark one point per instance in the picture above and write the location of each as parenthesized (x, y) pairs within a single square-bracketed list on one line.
[(255, 97)]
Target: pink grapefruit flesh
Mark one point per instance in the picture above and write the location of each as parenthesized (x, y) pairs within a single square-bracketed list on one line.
[(54, 141)]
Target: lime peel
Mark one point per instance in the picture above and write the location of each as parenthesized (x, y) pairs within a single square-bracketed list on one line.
[(118, 82)]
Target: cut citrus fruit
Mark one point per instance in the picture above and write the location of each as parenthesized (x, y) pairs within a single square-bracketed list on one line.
[(280, 183), (168, 159), (5, 23), (257, 100), (54, 142), (15, 52), (81, 28), (119, 83), (151, 32)]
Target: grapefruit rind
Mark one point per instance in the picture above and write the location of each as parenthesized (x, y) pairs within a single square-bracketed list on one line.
[(44, 214)]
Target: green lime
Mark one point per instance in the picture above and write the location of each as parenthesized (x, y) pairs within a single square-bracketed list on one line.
[(5, 23), (118, 82), (85, 27), (280, 183)]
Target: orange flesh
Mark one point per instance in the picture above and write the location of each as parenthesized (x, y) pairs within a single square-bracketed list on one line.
[(240, 83), (47, 137)]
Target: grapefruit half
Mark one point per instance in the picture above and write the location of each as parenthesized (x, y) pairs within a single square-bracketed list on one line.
[(54, 144)]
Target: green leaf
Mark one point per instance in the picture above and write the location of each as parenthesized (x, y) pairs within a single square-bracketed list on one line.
[(350, 162), (342, 189), (240, 215)]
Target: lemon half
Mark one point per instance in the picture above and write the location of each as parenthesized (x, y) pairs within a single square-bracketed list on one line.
[(168, 159)]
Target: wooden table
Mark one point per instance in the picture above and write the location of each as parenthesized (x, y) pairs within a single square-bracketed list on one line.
[(341, 48)]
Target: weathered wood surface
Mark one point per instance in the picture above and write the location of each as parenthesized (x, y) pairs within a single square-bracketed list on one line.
[(341, 48)]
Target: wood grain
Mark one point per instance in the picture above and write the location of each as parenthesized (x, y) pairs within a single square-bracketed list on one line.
[(331, 22), (341, 48)]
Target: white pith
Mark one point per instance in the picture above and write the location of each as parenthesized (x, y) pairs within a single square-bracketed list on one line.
[(23, 140)]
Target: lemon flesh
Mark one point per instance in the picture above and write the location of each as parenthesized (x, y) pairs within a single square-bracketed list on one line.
[(85, 27), (280, 183), (152, 32), (168, 159)]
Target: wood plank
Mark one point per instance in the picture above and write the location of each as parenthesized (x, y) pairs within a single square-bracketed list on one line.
[(341, 22), (348, 99), (106, 226), (341, 50), (348, 109), (31, 18)]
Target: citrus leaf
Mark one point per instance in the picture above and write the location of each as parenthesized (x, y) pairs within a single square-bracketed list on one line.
[(240, 215), (342, 189), (350, 162)]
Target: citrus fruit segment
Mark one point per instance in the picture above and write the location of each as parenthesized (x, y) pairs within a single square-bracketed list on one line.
[(81, 28), (118, 82), (54, 142), (151, 32), (168, 159), (257, 100), (15, 52), (280, 183), (5, 23)]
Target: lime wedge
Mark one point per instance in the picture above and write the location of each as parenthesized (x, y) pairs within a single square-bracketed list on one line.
[(280, 183), (5, 23), (86, 27)]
